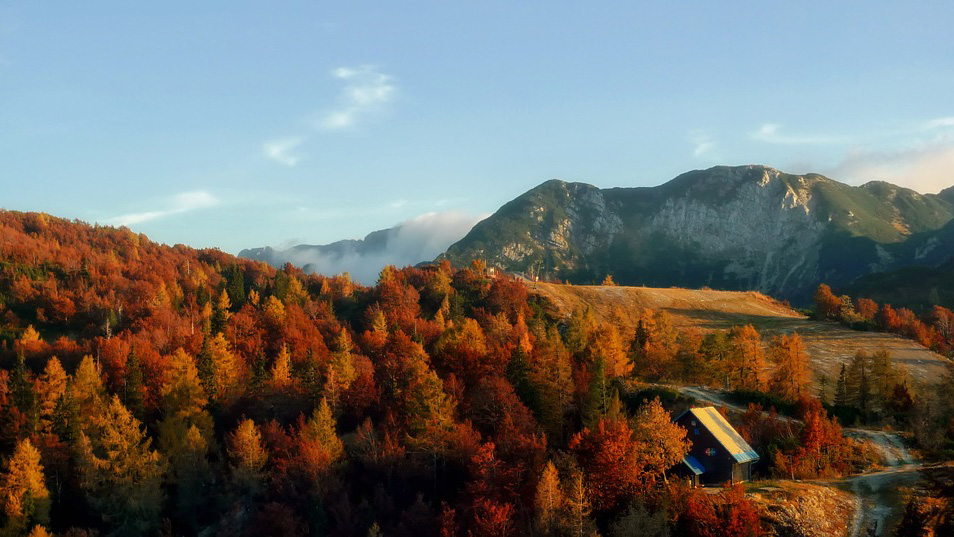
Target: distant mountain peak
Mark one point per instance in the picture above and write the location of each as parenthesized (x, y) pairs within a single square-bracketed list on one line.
[(947, 194), (728, 227)]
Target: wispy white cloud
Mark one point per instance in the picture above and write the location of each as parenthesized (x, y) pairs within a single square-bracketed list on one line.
[(282, 150), (180, 203), (939, 123), (926, 167), (771, 133), (366, 91), (703, 146), (917, 155)]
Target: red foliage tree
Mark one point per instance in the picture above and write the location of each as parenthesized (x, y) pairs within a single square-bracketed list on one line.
[(608, 456)]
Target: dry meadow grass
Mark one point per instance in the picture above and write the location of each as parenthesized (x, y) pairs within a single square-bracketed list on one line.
[(828, 344)]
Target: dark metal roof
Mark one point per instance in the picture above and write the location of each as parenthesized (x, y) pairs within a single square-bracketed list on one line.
[(693, 465)]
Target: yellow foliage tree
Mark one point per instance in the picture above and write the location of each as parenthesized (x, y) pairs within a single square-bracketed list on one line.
[(182, 401), (549, 501), (608, 343), (121, 473), (274, 311), (662, 442), (746, 359), (39, 531), (551, 373), (578, 507), (319, 444), (247, 458), (295, 294), (791, 376), (30, 335), (182, 394), (341, 372), (26, 500), (88, 392), (50, 388), (227, 369), (281, 369)]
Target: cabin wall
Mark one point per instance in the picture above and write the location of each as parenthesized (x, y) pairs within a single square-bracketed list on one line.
[(738, 473), (722, 469), (745, 472), (719, 466)]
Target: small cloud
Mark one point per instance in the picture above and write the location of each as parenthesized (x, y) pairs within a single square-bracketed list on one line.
[(282, 151), (339, 120), (703, 148), (180, 203), (344, 73), (397, 204), (366, 91), (137, 218), (940, 123), (198, 199), (767, 130), (771, 133), (703, 145)]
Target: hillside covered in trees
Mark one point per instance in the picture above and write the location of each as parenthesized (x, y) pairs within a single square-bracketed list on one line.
[(155, 390)]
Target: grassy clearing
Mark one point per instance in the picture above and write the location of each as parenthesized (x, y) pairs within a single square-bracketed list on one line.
[(828, 344)]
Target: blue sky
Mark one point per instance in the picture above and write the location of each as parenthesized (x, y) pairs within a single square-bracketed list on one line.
[(239, 124)]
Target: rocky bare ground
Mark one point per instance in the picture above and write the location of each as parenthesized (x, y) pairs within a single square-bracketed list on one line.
[(804, 509)]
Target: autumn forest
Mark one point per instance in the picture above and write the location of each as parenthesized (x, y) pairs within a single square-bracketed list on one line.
[(156, 390)]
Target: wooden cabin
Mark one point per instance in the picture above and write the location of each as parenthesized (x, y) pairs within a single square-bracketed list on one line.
[(718, 454)]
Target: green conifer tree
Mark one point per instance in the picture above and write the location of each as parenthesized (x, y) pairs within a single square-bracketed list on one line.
[(133, 388), (598, 396)]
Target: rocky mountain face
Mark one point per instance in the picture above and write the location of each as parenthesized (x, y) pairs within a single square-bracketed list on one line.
[(747, 227)]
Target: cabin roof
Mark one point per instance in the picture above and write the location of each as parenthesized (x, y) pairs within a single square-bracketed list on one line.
[(693, 465), (710, 418)]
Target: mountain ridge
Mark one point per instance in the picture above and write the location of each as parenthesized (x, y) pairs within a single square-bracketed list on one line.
[(727, 227)]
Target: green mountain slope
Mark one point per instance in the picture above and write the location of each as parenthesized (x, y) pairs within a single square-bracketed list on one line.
[(915, 287), (746, 227), (947, 194)]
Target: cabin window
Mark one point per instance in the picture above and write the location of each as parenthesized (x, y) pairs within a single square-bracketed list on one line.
[(693, 423), (710, 452), (697, 431)]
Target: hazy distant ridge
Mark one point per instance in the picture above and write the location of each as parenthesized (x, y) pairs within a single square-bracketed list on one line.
[(408, 243)]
